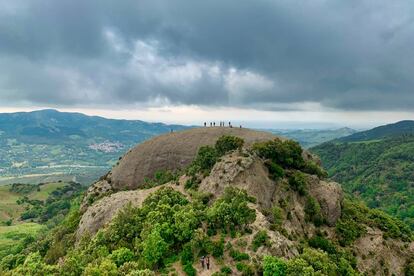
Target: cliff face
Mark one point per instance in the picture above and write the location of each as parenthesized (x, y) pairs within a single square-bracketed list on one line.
[(242, 169)]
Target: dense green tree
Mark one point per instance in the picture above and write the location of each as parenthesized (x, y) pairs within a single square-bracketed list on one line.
[(121, 256), (231, 210), (154, 247), (228, 143), (273, 266), (34, 265), (287, 154), (104, 267)]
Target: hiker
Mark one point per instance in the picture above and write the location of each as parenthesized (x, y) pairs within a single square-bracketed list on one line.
[(211, 124), (240, 126), (229, 124), (208, 262), (202, 262), (214, 123), (205, 124)]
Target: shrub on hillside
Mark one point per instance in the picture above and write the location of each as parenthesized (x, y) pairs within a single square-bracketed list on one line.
[(121, 256), (275, 171), (261, 238), (297, 181), (204, 161), (313, 211), (189, 270), (245, 269), (239, 256), (226, 270), (287, 154), (313, 168), (160, 178), (274, 266), (277, 213), (320, 242), (228, 143)]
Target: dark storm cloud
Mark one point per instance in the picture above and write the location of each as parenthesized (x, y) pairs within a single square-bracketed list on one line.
[(352, 55)]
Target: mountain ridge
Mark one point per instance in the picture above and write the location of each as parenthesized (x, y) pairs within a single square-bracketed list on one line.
[(381, 132)]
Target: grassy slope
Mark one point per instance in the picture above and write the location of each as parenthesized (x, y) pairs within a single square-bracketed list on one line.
[(9, 209), (8, 206), (9, 235)]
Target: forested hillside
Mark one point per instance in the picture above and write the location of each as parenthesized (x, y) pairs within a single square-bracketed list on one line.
[(379, 171), (382, 132)]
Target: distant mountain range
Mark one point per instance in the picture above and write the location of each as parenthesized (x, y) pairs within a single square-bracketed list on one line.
[(381, 132), (312, 137), (49, 143), (376, 166), (53, 127)]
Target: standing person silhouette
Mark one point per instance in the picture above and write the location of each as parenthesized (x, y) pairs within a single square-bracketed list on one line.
[(208, 262), (214, 123), (205, 124), (202, 262), (211, 124)]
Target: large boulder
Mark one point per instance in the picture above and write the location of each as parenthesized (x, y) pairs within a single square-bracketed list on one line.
[(171, 151)]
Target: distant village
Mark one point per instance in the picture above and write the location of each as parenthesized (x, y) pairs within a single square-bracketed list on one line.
[(107, 146)]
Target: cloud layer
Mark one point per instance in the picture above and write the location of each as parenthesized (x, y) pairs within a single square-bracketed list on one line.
[(262, 54)]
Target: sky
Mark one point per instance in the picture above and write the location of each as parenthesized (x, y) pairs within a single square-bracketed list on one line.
[(279, 63)]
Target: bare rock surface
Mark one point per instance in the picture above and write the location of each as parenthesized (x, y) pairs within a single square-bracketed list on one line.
[(241, 171), (374, 253), (329, 196)]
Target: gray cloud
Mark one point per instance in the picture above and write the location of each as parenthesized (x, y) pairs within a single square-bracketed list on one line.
[(351, 55)]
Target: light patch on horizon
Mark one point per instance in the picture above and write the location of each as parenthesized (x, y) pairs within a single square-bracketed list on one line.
[(196, 116)]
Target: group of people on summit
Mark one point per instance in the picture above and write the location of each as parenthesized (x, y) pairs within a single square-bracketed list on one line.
[(222, 124)]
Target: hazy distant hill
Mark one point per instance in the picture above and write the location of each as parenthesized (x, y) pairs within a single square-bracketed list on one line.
[(52, 142), (312, 137), (386, 131), (54, 127), (376, 165)]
